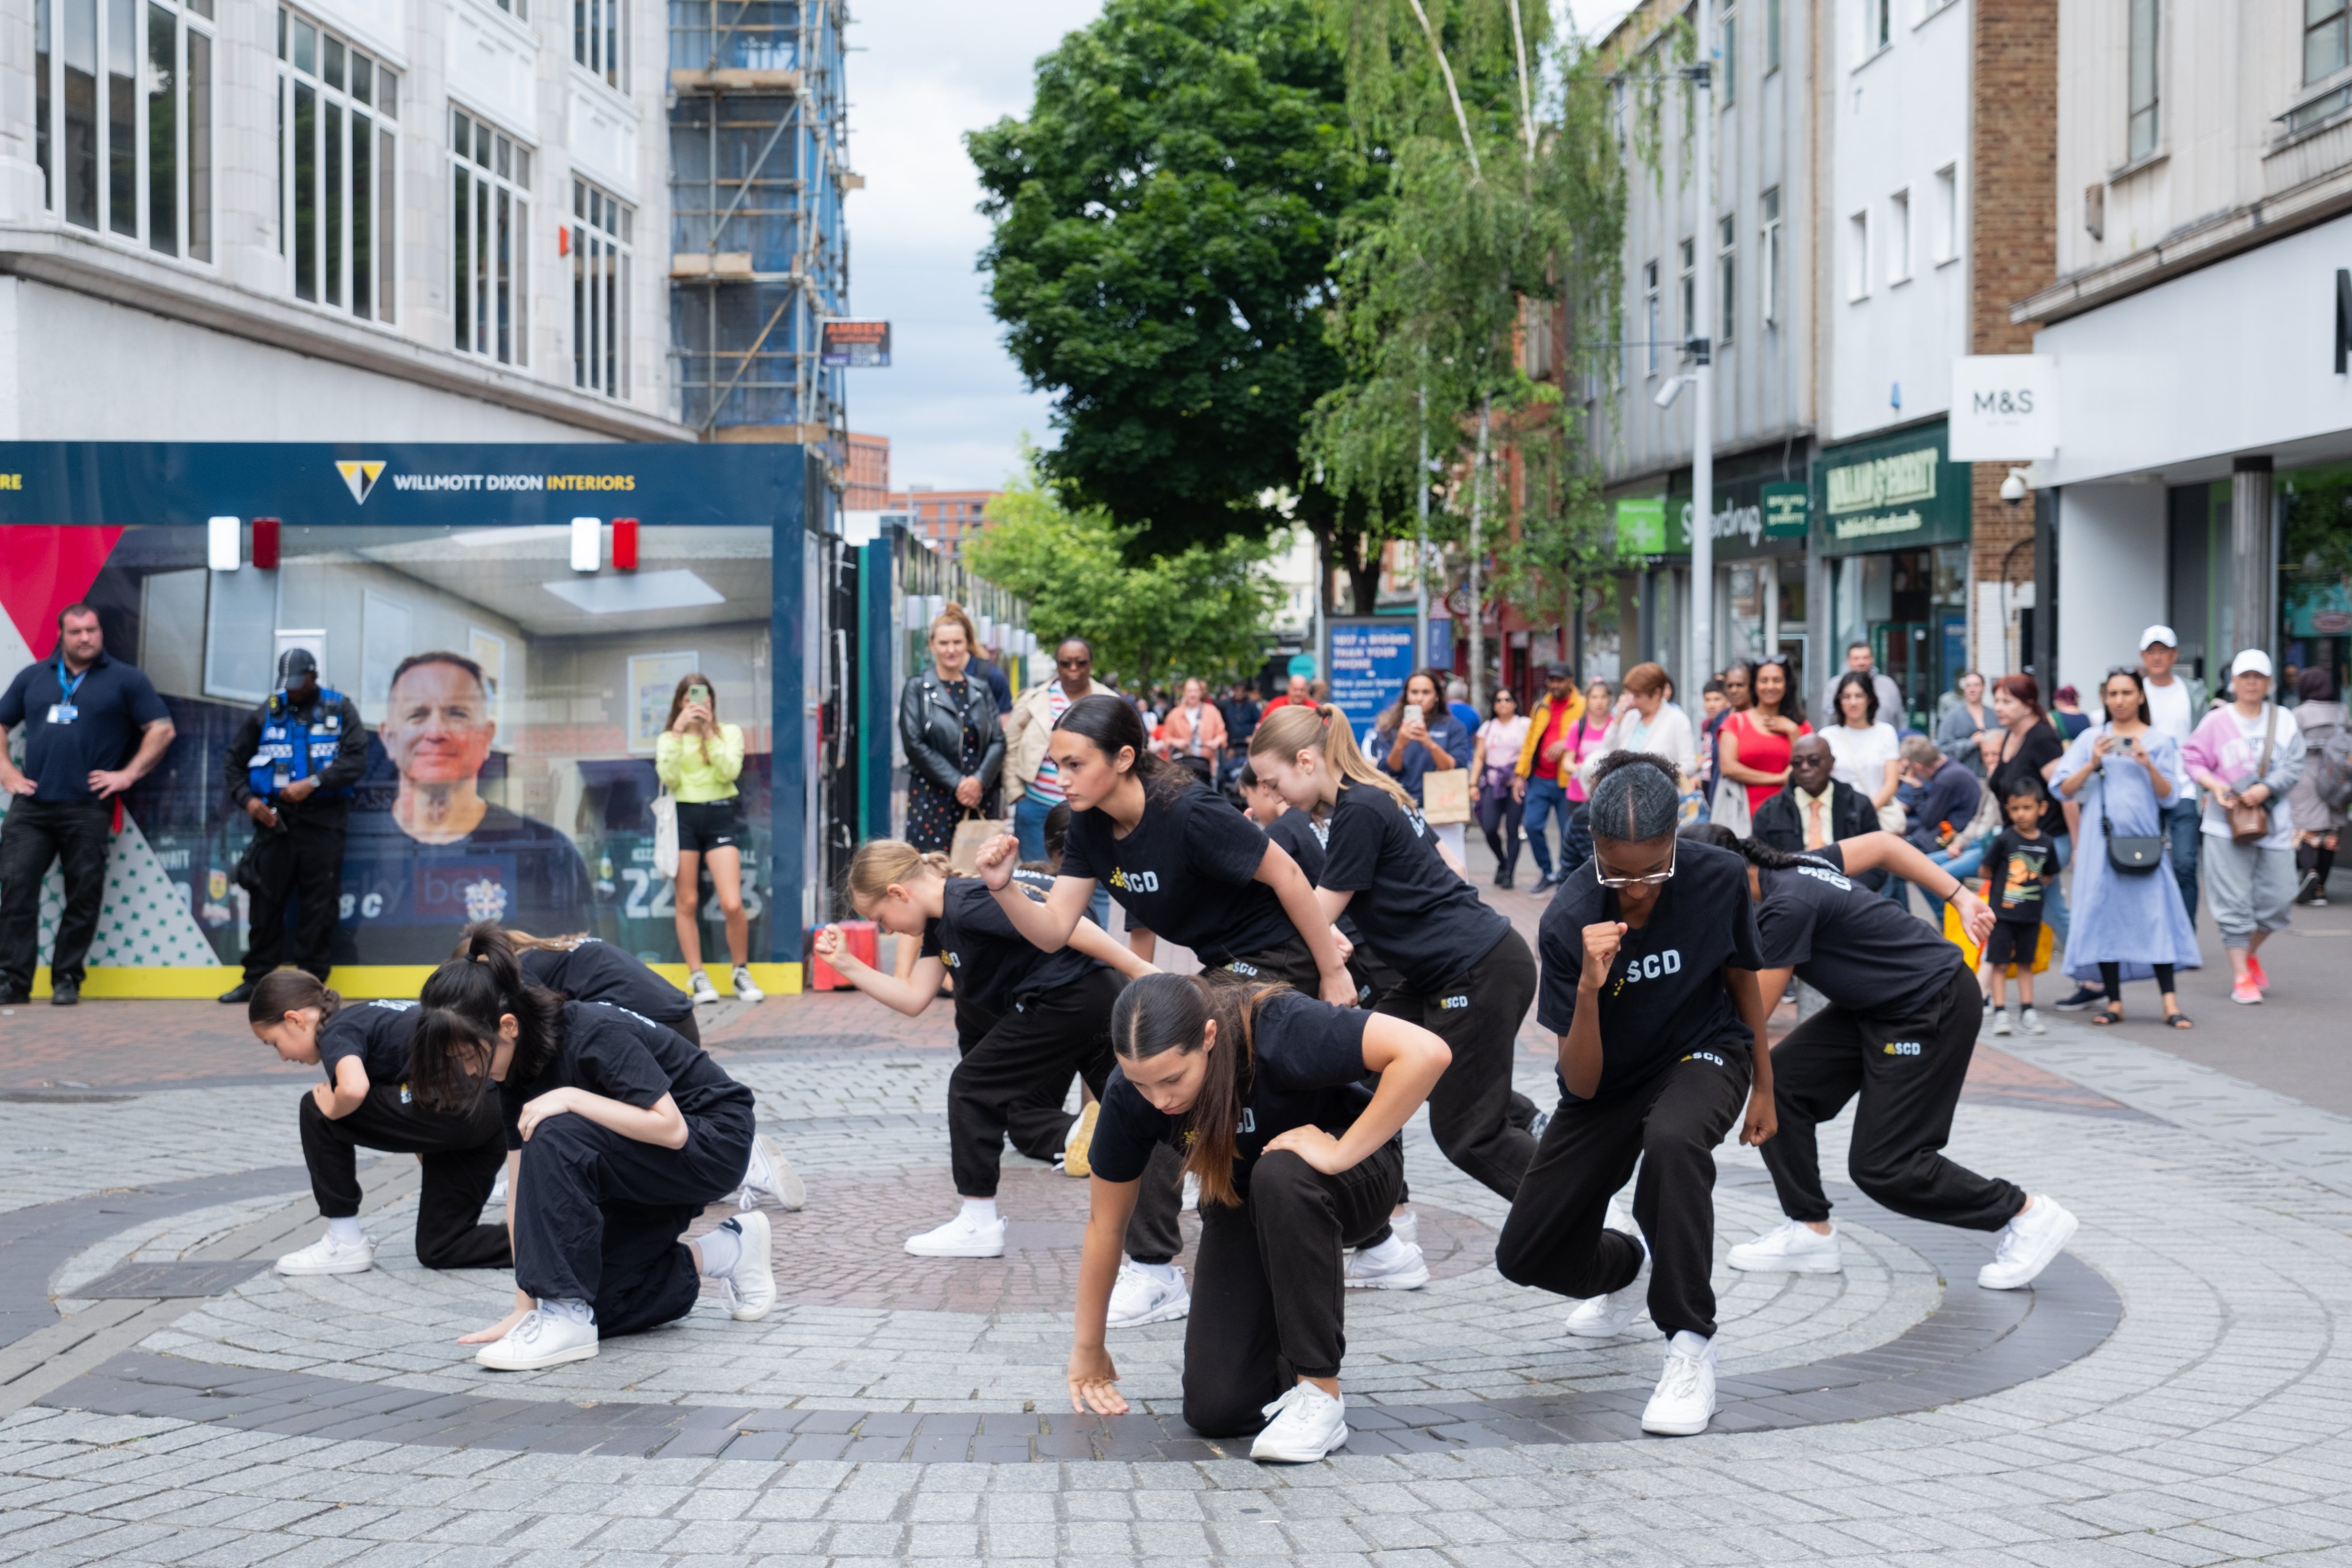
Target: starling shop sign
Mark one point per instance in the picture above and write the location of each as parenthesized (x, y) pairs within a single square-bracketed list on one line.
[(1753, 515), (1892, 492)]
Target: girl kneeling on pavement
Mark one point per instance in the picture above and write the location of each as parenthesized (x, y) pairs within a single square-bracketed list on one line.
[(1263, 1089), (1650, 961), (619, 1132), (365, 1103), (1027, 1021)]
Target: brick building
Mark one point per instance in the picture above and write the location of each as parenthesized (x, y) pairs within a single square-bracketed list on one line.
[(868, 483), (943, 519)]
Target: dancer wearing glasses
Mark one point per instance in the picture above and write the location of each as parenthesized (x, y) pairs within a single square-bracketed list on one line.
[(1650, 961)]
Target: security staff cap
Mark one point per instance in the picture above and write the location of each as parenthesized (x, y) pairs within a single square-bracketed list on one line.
[(294, 663)]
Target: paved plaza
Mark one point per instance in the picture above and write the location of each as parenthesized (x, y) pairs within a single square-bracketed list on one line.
[(2170, 1392)]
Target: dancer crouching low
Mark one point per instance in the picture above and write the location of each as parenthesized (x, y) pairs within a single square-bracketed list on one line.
[(1263, 1091), (619, 1133)]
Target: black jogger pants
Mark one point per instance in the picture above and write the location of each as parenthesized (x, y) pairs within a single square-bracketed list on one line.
[(1479, 1121), (462, 1154), (1015, 1075), (1909, 1073)]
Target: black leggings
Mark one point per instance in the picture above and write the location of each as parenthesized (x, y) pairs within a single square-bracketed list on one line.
[(1479, 1121), (2314, 860), (1498, 818), (1015, 1075), (1268, 1286), (462, 1153), (2111, 976)]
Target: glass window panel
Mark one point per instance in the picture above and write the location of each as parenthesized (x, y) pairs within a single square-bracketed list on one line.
[(362, 77), (387, 92), (522, 271), (80, 160), (481, 145), (306, 191), (506, 277), (334, 72), (461, 248), (41, 101), (461, 132), (200, 144), (162, 132), (363, 214), (387, 236), (505, 159), (522, 168), (579, 200), (202, 7), (282, 20), (123, 116), (482, 301), (305, 46), (284, 152), (331, 268)]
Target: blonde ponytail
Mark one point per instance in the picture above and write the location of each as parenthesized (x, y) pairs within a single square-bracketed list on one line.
[(881, 863), (1288, 731)]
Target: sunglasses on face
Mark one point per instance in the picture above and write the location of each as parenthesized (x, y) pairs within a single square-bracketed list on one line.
[(1072, 663), (1651, 880)]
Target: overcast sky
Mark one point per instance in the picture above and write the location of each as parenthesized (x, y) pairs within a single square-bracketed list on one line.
[(927, 71)]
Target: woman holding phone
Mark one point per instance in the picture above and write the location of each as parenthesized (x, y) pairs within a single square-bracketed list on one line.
[(698, 759)]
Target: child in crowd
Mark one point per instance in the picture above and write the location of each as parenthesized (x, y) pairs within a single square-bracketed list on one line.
[(2019, 864)]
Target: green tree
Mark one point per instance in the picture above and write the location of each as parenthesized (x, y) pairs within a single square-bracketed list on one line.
[(1165, 223), (1203, 611)]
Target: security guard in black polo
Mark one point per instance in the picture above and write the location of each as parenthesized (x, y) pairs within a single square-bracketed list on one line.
[(293, 766)]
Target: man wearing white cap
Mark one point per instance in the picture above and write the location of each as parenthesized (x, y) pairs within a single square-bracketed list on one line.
[(2247, 756), (2176, 702)]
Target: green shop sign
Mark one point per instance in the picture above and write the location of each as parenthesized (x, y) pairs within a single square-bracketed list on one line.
[(1891, 492), (1752, 517), (1642, 525)]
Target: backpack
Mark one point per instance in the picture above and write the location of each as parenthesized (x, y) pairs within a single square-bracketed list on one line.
[(2328, 765)]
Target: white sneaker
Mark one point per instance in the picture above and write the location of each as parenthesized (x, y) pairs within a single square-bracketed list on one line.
[(1138, 1298), (960, 1237), (2030, 1021), (498, 1190), (1395, 1264), (705, 995), (1794, 1248), (751, 1283), (1685, 1400), (746, 988), (329, 1256), (2028, 1243), (1302, 1426), (1609, 1316), (771, 1176), (1405, 1225), (2000, 1024), (540, 1340)]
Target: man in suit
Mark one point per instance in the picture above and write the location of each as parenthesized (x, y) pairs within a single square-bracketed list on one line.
[(1813, 809)]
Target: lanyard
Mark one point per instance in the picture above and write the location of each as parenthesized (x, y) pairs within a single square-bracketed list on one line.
[(68, 687)]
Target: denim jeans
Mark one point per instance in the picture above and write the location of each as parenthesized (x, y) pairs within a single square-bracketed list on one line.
[(1029, 814), (2183, 825), (1545, 798)]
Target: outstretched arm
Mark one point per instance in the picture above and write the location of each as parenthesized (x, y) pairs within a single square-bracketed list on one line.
[(1876, 852), (910, 996)]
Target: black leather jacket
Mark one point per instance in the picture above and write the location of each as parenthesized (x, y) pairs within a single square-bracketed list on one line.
[(931, 724)]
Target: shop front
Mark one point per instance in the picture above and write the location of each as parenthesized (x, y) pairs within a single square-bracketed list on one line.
[(1762, 509), (1892, 527), (515, 625)]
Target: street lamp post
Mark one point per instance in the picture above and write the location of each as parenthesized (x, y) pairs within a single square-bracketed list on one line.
[(1701, 350)]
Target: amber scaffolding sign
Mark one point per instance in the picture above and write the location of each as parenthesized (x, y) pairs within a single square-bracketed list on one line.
[(857, 345)]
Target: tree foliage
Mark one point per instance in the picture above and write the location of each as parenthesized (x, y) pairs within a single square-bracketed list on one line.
[(1203, 611), (1165, 220)]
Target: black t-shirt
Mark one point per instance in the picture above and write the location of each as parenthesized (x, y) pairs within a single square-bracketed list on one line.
[(378, 1033), (2042, 746), (2019, 868), (1187, 874), (624, 1056), (1666, 998), (597, 971), (112, 702), (1861, 950), (1307, 1071), (994, 965), (403, 900), (1295, 831), (1426, 923)]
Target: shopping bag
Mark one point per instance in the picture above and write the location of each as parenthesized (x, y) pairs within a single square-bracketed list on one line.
[(963, 853), (1729, 806), (1445, 796), (665, 835)]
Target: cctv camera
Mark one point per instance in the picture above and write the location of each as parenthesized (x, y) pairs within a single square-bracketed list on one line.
[(1671, 390), (2012, 489)]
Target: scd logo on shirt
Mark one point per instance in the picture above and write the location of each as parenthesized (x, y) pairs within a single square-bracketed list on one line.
[(1651, 966), (1902, 1048), (1135, 881)]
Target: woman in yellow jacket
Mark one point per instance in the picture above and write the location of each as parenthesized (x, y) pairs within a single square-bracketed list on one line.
[(698, 759)]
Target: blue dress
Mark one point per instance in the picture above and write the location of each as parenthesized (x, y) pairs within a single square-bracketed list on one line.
[(2135, 919)]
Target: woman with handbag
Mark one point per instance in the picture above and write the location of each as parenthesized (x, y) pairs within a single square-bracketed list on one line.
[(1752, 747), (1498, 743), (2129, 922), (955, 746), (2248, 755), (697, 760), (1420, 736)]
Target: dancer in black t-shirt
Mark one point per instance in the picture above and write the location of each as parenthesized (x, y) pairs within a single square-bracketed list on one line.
[(1649, 979), (1897, 1036), (1303, 836), (1263, 1091), (619, 1132), (1466, 975), (1026, 1020)]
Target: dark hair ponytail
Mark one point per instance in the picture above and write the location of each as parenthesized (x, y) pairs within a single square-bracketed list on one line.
[(282, 991), (1159, 1013), (1762, 856), (463, 1002), (1109, 723)]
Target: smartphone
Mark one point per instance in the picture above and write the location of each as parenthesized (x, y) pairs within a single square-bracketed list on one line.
[(2126, 743), (1413, 712), (699, 694)]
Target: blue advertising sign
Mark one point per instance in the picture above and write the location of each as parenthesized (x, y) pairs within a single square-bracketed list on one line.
[(1370, 659)]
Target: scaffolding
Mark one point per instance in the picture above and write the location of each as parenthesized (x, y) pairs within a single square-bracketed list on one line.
[(760, 255)]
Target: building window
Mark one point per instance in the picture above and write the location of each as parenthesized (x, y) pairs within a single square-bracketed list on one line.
[(2327, 39), (338, 197), (600, 39), (1878, 22), (1688, 278), (1947, 214), (1727, 44), (2142, 80), (490, 212), (1653, 329), (122, 112), (1771, 36), (1770, 237), (1726, 276), (1898, 237), (1857, 256), (601, 238)]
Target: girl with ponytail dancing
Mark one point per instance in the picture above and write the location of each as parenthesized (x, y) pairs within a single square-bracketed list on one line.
[(1264, 1091), (619, 1132)]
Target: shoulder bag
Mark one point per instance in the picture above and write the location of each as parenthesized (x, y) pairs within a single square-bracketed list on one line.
[(2131, 853), (2251, 825)]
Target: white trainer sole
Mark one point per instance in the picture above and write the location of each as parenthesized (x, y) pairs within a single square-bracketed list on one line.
[(536, 1363)]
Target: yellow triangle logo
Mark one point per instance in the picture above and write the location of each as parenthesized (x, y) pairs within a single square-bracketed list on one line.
[(361, 477)]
